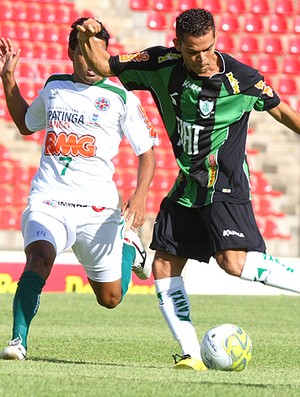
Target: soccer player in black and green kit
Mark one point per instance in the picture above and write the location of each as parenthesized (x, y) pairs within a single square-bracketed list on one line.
[(205, 99)]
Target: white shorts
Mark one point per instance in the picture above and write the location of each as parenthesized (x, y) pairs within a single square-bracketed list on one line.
[(95, 236)]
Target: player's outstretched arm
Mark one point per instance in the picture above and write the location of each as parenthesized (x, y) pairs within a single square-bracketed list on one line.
[(287, 116), (136, 204), (95, 55), (16, 104)]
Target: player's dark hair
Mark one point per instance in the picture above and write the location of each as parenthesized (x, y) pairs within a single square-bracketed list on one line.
[(194, 22), (73, 42)]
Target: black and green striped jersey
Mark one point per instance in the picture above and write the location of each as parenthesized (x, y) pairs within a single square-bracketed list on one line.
[(206, 119)]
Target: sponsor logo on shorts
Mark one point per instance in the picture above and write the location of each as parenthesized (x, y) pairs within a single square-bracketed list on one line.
[(228, 233)]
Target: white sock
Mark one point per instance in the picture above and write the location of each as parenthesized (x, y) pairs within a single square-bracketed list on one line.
[(175, 307), (270, 271)]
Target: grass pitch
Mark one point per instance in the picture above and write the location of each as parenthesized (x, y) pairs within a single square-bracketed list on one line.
[(77, 348)]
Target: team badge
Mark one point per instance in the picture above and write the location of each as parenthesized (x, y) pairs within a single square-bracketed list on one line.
[(102, 104), (206, 108)]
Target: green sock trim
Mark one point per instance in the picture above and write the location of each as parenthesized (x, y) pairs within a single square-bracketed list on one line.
[(127, 260), (26, 304)]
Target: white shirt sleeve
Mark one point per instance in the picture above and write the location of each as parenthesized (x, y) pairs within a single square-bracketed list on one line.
[(35, 117), (136, 126)]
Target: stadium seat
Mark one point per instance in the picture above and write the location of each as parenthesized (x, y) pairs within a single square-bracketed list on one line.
[(27, 49), (8, 219), (6, 10), (22, 31), (34, 12), (27, 70), (19, 11), (265, 207), (139, 5), (37, 32), (62, 14), (27, 89), (153, 201), (273, 45), (267, 64), (214, 6), (169, 39), (40, 50), (229, 23), (8, 29), (19, 174), (156, 21), (162, 5), (183, 5), (4, 153), (261, 186), (225, 43), (284, 7), (146, 98), (249, 44), (48, 13), (20, 195), (287, 85), (278, 24), (259, 7), (236, 7), (294, 45), (291, 64), (5, 173), (253, 24), (296, 24), (160, 181), (245, 58), (51, 33), (127, 158), (6, 197), (272, 231)]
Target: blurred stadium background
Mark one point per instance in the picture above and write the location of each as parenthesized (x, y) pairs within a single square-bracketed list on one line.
[(262, 33)]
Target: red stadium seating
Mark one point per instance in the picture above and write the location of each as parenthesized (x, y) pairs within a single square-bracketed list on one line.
[(261, 7), (139, 5), (278, 24), (6, 10), (19, 11), (254, 24), (184, 5), (249, 44), (162, 5), (229, 23), (214, 6), (225, 43), (267, 64), (245, 58), (9, 219), (294, 45), (236, 7), (273, 45), (156, 21), (284, 7), (296, 24), (287, 85), (291, 64)]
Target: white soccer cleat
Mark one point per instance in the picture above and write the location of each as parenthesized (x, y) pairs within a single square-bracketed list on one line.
[(14, 351), (141, 266)]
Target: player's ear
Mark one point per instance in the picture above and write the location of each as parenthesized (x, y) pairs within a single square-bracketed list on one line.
[(176, 43), (71, 54)]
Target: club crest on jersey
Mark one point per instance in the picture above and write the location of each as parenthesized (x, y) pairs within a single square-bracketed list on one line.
[(102, 104), (206, 108)]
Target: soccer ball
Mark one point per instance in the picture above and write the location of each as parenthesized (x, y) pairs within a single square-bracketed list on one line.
[(226, 347)]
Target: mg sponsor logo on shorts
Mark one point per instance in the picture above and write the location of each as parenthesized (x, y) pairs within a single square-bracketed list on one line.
[(228, 233)]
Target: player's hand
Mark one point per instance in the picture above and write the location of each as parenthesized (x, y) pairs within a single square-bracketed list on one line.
[(88, 29), (8, 57), (135, 209)]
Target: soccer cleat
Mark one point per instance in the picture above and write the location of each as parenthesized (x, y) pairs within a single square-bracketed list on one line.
[(187, 362), (14, 351), (141, 266)]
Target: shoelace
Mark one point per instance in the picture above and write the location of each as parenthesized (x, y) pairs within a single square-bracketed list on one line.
[(178, 357)]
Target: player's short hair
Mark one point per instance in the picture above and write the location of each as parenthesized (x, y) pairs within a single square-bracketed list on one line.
[(194, 22), (73, 42)]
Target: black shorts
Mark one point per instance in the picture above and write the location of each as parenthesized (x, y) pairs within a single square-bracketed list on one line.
[(198, 233)]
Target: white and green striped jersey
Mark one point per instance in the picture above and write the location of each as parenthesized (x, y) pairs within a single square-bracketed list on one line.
[(84, 127)]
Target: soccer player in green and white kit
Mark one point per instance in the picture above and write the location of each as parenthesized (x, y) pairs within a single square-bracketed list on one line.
[(205, 99), (73, 200)]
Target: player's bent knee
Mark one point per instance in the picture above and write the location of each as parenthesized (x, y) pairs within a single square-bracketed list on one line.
[(109, 302)]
